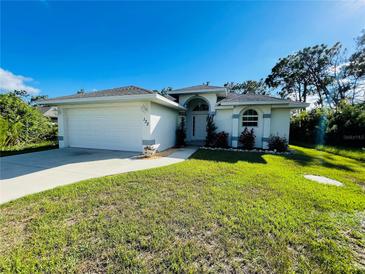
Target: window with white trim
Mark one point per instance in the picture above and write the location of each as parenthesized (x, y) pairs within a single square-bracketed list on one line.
[(250, 118)]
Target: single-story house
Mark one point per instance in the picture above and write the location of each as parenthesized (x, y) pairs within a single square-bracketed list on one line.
[(129, 118)]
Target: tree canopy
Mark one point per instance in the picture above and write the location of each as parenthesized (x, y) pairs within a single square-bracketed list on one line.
[(248, 87), (322, 71)]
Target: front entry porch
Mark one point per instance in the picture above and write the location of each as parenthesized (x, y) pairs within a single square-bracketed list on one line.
[(196, 121)]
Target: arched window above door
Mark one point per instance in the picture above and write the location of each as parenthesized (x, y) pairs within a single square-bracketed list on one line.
[(250, 118), (201, 106)]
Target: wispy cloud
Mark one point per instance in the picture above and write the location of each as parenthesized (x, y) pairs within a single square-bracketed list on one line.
[(10, 82)]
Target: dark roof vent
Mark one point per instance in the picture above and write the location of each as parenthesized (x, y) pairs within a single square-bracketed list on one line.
[(81, 91)]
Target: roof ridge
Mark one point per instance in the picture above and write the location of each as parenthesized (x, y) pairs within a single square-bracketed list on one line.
[(269, 97), (137, 87), (130, 89), (197, 87)]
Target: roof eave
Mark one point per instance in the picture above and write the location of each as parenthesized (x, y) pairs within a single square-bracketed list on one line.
[(106, 99), (167, 102), (295, 105)]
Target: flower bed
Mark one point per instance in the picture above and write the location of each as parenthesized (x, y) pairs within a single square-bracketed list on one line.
[(258, 150)]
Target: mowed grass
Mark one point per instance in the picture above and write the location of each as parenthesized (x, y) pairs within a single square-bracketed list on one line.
[(353, 153), (217, 212)]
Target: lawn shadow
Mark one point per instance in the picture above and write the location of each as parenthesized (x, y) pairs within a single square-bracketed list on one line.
[(229, 156), (305, 159)]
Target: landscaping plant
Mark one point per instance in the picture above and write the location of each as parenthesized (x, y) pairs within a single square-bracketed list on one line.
[(211, 134), (247, 138), (278, 143), (181, 133), (221, 139)]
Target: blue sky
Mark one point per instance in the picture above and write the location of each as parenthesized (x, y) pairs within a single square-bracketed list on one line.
[(57, 48)]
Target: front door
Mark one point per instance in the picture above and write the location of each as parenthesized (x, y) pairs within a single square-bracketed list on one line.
[(198, 130)]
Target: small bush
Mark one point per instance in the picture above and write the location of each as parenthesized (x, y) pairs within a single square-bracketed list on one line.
[(181, 134), (247, 138), (278, 143), (211, 134), (221, 139)]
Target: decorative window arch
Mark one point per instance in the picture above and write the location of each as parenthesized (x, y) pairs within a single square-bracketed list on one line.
[(198, 104), (250, 118), (201, 106)]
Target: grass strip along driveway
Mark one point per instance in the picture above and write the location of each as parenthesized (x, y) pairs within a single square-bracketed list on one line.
[(217, 212)]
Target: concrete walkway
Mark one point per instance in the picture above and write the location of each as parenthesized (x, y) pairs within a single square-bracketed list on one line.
[(25, 174)]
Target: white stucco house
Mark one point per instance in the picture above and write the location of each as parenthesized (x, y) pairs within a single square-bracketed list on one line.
[(129, 118)]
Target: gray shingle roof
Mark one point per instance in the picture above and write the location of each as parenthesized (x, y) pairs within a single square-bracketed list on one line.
[(195, 88), (247, 98), (48, 111), (169, 97), (128, 90)]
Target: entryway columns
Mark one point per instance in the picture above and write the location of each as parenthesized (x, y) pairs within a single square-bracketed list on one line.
[(235, 126)]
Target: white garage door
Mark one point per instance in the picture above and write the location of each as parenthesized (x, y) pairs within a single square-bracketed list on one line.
[(115, 128)]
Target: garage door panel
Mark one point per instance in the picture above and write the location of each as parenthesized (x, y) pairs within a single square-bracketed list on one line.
[(105, 128)]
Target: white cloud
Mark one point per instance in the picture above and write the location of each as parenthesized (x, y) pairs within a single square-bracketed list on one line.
[(10, 82)]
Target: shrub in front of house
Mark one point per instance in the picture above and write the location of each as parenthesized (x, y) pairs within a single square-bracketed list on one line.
[(247, 138), (277, 143), (211, 134), (181, 134), (221, 140)]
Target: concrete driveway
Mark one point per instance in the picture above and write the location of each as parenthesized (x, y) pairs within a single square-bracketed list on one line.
[(25, 174)]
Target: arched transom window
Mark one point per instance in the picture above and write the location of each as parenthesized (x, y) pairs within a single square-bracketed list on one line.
[(250, 118), (201, 106)]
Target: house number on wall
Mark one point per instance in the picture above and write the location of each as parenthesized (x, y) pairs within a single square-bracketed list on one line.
[(146, 121)]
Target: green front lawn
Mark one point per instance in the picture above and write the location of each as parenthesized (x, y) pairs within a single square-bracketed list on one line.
[(353, 153), (218, 212)]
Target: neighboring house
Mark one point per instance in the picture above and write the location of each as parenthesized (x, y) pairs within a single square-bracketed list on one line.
[(129, 118), (50, 112)]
